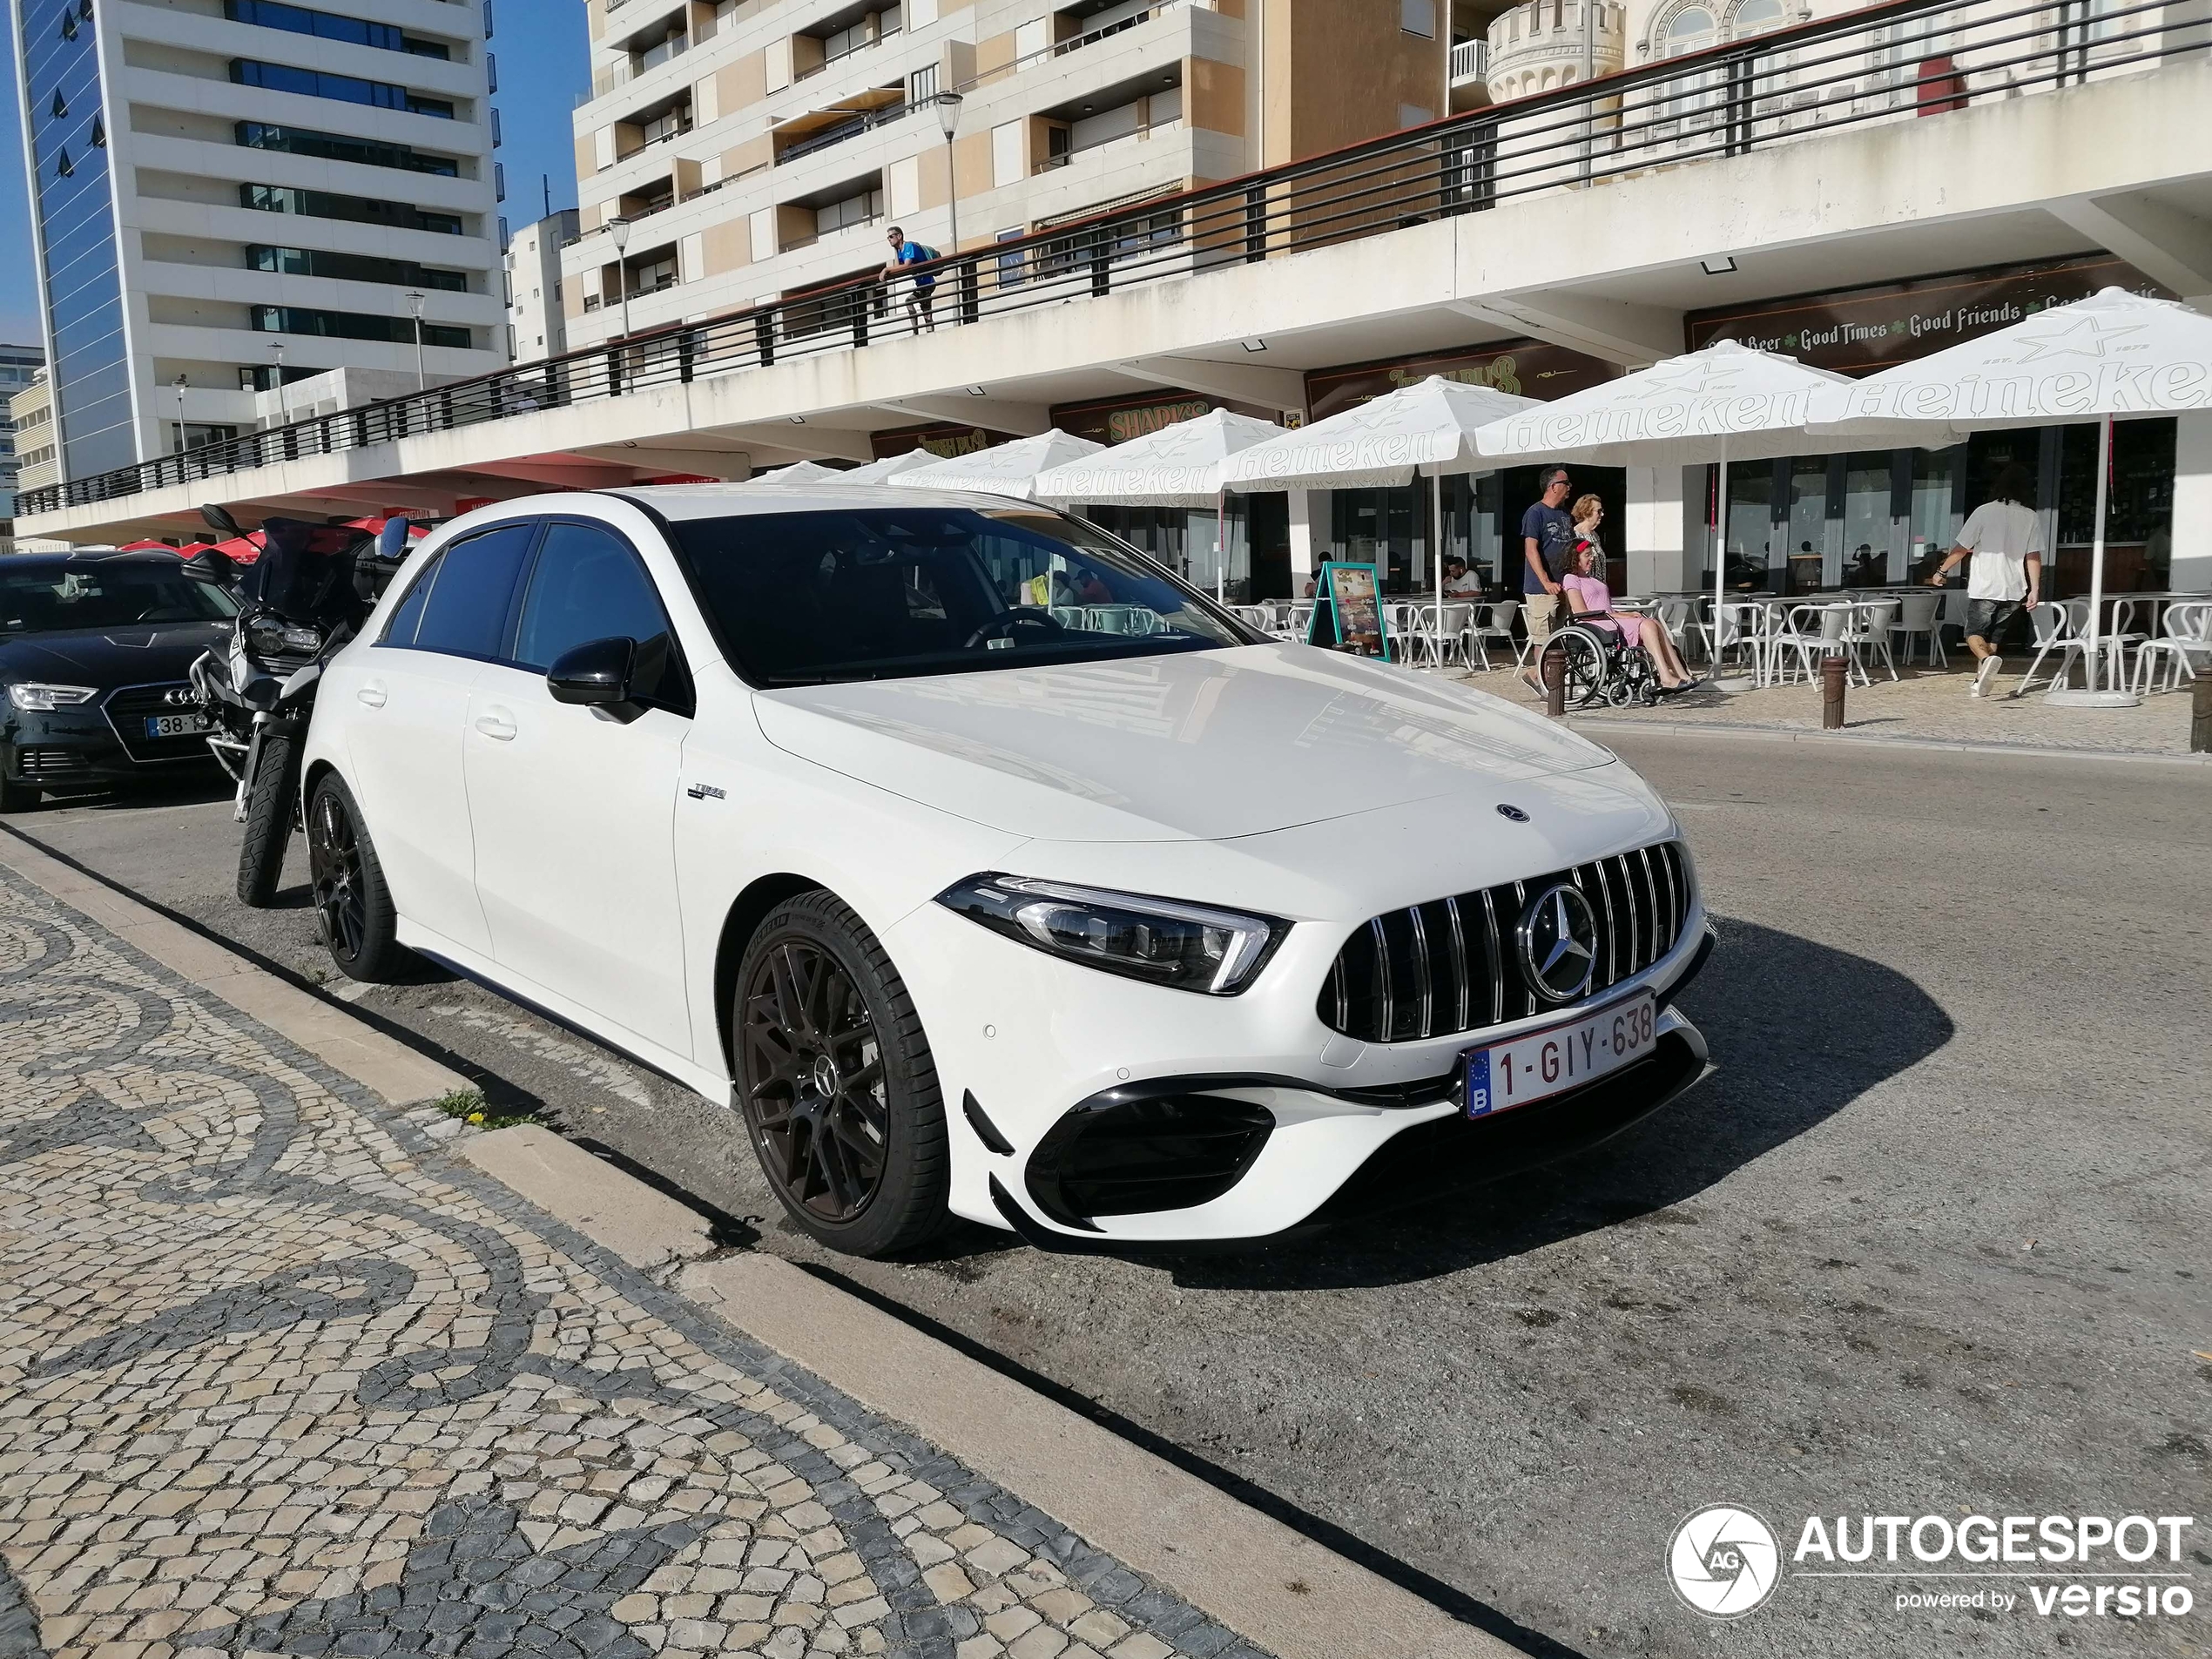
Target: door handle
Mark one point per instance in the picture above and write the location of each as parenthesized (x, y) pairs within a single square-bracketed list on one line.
[(372, 694), (497, 725)]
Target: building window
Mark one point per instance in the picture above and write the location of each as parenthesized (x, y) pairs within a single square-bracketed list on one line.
[(330, 146), (921, 85), (353, 325), (298, 20), (361, 210), (348, 89), (353, 267), (1418, 17)]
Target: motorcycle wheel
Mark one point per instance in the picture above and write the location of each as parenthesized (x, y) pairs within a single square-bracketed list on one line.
[(268, 821)]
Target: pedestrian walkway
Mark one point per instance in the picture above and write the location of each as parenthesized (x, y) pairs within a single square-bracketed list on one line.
[(1923, 706), (278, 1374)]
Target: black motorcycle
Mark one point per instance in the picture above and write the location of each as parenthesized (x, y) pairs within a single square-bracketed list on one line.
[(307, 593)]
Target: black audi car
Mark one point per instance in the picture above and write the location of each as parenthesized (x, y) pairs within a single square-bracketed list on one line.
[(93, 650)]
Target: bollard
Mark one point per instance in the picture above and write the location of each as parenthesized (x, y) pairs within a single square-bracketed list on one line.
[(1553, 673), (1833, 669), (2201, 716)]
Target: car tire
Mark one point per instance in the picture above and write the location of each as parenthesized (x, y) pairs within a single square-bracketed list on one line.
[(353, 902), (268, 821), (836, 1082)]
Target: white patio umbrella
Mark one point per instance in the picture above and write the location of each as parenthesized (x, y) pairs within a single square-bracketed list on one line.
[(1010, 470), (2111, 355), (1177, 466), (1727, 403), (1426, 428), (800, 472), (883, 471)]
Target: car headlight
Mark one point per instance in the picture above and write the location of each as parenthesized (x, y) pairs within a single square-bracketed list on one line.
[(272, 636), (34, 698), (1163, 941)]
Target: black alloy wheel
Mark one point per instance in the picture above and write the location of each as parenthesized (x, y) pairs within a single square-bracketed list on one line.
[(840, 1092), (352, 905)]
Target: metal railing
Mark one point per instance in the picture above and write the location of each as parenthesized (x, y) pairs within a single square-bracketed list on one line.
[(1470, 61), (1913, 60)]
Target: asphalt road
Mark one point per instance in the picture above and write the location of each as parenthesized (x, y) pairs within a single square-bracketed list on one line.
[(1933, 1238)]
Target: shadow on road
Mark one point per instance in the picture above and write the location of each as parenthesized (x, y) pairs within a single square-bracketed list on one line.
[(1799, 1031)]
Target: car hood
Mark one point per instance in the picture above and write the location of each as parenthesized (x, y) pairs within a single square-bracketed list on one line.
[(1199, 746), (107, 658)]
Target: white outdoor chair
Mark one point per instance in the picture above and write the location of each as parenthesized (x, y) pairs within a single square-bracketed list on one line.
[(1742, 626), (1806, 634), (1680, 616), (2185, 642), (1493, 623), (1452, 635), (2058, 628), (1867, 626), (1917, 615)]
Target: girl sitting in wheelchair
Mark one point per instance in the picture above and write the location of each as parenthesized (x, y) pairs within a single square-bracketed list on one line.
[(1582, 587)]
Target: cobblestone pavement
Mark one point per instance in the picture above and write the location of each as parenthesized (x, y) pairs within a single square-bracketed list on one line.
[(279, 1376)]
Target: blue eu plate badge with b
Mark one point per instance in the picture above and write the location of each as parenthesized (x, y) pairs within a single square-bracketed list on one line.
[(1478, 1090)]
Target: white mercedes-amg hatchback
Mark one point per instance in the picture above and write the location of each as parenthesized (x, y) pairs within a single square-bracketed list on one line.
[(980, 866)]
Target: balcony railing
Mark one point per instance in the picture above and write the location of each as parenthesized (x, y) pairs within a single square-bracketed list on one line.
[(1073, 44), (1470, 61), (1908, 61)]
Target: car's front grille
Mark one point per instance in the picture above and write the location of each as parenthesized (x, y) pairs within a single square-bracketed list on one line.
[(127, 712), (1453, 965)]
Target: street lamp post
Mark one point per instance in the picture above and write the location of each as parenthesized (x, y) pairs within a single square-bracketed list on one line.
[(618, 228), (415, 299), (949, 122), (284, 403), (183, 381)]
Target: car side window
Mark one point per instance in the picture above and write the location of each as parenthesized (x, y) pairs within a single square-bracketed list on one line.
[(409, 617), (466, 613), (588, 585)]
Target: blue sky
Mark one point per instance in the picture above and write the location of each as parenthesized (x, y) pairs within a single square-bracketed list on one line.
[(544, 61)]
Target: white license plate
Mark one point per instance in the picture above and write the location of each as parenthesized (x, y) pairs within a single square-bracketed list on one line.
[(176, 725), (1544, 1063)]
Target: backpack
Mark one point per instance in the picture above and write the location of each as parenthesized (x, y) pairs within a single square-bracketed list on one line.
[(926, 251)]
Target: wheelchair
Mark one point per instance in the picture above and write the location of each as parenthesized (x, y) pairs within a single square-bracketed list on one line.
[(1603, 668)]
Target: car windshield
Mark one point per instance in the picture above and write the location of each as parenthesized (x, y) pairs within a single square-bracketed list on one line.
[(51, 598), (890, 592)]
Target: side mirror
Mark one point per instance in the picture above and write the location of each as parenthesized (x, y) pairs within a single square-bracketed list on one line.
[(391, 541), (596, 675), (212, 568), (218, 519)]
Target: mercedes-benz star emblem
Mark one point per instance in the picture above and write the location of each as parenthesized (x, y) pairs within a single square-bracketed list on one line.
[(1513, 812), (1559, 943)]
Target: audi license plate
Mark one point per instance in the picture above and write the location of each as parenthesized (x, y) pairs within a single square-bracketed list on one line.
[(1549, 1063), (176, 725)]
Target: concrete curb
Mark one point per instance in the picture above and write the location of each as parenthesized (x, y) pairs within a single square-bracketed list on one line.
[(1277, 1588), (337, 1038), (1876, 740)]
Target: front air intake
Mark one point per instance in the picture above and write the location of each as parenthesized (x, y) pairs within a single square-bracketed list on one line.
[(1126, 1157)]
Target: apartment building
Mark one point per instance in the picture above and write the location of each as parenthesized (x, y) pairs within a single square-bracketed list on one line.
[(757, 149), (536, 324), (20, 366), (232, 194)]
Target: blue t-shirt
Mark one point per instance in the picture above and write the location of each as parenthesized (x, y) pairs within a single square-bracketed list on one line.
[(1554, 533), (914, 253)]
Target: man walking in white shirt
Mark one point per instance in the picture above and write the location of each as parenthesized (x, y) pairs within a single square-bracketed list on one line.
[(2005, 539)]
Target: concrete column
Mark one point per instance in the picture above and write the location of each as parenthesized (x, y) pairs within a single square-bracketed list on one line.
[(1306, 505), (2192, 503), (1657, 562)]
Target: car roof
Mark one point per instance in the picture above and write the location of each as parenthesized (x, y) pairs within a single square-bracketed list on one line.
[(85, 559), (678, 502)]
